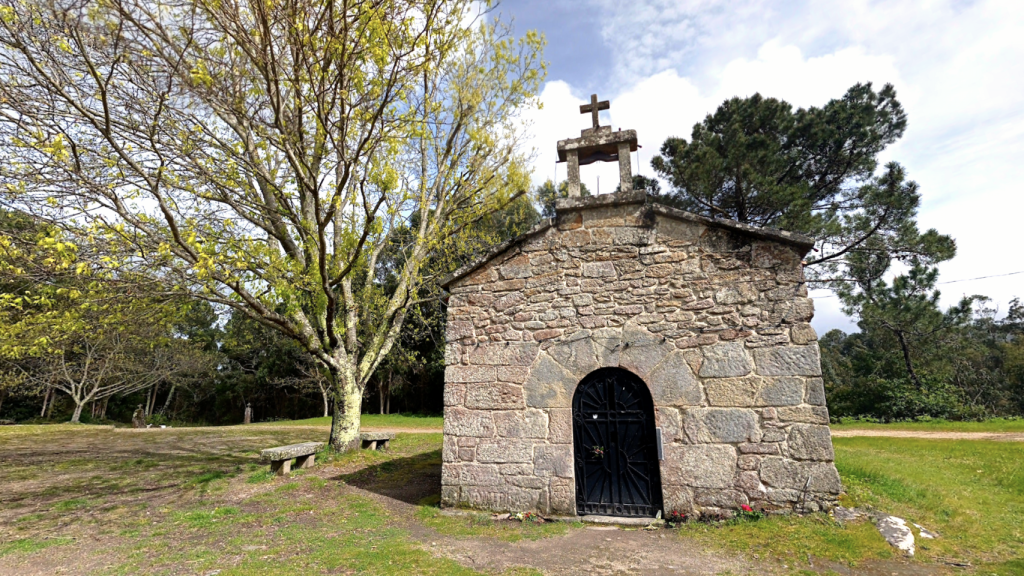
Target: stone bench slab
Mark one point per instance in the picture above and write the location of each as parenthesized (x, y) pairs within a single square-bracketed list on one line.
[(376, 440), (290, 451)]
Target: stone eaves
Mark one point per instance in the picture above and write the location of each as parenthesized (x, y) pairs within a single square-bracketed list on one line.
[(562, 205)]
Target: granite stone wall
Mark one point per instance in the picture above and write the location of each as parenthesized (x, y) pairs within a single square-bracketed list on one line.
[(714, 319)]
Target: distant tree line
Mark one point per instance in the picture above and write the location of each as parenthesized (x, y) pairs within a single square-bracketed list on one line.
[(96, 320)]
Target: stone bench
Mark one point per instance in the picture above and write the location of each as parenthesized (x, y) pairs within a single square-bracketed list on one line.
[(376, 440), (280, 458)]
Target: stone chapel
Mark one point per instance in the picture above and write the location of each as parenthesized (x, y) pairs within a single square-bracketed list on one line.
[(627, 358)]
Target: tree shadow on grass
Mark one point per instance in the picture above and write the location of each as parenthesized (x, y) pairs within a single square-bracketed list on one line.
[(409, 479)]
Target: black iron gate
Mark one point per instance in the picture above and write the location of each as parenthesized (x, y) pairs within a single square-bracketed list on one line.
[(615, 446)]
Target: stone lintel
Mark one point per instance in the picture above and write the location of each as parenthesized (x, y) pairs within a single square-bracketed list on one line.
[(597, 141)]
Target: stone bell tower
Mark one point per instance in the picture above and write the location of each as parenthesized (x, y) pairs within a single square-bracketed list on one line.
[(598, 144)]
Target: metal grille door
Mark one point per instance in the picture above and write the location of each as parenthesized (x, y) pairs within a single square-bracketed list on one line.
[(616, 453)]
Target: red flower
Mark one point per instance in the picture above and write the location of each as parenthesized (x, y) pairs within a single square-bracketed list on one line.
[(746, 508)]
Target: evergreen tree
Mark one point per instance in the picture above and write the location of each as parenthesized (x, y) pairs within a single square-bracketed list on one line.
[(814, 171)]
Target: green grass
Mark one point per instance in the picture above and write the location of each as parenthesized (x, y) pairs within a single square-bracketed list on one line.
[(970, 492), (936, 425), (30, 545), (371, 421)]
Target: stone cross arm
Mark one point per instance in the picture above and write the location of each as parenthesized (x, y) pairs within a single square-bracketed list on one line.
[(594, 107)]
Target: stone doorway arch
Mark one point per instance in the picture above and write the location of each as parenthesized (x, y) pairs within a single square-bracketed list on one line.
[(615, 446)]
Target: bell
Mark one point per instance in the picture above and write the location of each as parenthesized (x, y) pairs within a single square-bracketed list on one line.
[(599, 157)]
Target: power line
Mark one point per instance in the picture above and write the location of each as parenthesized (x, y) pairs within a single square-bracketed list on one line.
[(949, 282), (981, 277)]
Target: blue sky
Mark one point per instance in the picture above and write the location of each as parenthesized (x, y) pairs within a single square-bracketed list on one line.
[(958, 67)]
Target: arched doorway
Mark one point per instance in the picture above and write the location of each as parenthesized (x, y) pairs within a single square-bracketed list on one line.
[(616, 452)]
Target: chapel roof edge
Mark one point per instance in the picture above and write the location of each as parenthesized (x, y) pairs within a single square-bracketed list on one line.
[(572, 204)]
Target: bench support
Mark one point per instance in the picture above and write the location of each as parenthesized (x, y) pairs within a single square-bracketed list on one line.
[(305, 461), (281, 467)]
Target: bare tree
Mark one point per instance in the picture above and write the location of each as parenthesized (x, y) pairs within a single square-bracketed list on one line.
[(262, 155)]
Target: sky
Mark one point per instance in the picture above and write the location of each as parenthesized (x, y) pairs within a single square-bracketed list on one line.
[(957, 66)]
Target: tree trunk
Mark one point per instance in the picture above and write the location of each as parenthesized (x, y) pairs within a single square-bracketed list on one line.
[(46, 398), (347, 402), (167, 402), (103, 410), (3, 396), (77, 416), (380, 395), (906, 359), (152, 399), (327, 405)]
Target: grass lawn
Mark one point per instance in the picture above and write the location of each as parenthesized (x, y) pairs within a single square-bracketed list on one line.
[(993, 425), (371, 421), (970, 492), (96, 501)]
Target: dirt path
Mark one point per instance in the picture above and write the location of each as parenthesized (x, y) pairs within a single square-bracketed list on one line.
[(998, 436)]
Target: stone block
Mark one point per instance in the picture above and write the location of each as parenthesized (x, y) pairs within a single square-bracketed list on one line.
[(720, 425), (748, 462), (736, 294), (495, 396), (528, 482), (553, 460), (478, 475), (507, 301), (801, 311), (669, 421), (463, 422), (462, 374), (458, 329), (501, 499), (788, 361), (806, 414), (449, 449), (732, 391), (677, 499), (467, 454), (560, 426), (529, 423), (518, 267), (724, 360), (815, 393), (501, 450), (505, 354), (549, 385), (781, 391), (576, 356), (449, 496), (563, 496), (454, 394), (719, 498), (810, 442), (699, 466), (599, 269), (760, 448), (672, 383), (643, 355), (516, 469), (778, 472), (802, 333)]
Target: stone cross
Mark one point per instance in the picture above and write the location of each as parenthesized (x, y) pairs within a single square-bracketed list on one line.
[(594, 107)]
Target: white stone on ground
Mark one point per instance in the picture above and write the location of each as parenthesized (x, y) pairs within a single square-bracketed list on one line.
[(926, 533), (897, 533)]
